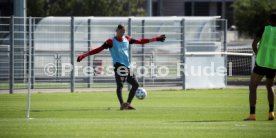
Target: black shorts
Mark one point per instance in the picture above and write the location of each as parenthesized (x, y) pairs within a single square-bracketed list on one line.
[(126, 75), (267, 72)]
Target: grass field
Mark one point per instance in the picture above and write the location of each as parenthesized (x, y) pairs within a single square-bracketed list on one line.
[(191, 113)]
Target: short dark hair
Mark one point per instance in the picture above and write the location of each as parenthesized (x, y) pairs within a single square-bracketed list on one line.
[(272, 17), (120, 26)]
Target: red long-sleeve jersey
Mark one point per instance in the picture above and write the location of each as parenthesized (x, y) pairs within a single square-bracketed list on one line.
[(108, 44)]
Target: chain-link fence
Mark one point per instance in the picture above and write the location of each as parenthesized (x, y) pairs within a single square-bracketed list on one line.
[(52, 44)]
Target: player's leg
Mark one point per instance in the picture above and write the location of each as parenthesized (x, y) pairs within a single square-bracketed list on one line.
[(131, 79), (119, 89), (120, 83), (270, 94), (254, 82), (134, 86)]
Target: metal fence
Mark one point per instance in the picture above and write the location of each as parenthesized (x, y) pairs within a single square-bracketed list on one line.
[(47, 48)]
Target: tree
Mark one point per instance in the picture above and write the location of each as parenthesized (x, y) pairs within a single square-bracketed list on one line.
[(35, 8), (85, 8), (251, 15)]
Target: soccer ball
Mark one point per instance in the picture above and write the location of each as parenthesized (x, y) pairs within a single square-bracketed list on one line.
[(141, 93)]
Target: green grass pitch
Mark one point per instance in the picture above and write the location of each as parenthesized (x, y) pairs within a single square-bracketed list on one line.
[(167, 114)]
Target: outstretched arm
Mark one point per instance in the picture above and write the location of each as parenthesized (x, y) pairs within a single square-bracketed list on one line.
[(160, 38), (94, 51)]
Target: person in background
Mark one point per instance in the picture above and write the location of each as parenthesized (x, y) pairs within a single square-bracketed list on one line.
[(265, 66)]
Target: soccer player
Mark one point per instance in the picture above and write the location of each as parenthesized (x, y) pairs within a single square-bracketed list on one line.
[(265, 66), (118, 47)]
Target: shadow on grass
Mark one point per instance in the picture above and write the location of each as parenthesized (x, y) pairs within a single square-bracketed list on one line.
[(200, 121), (76, 110)]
